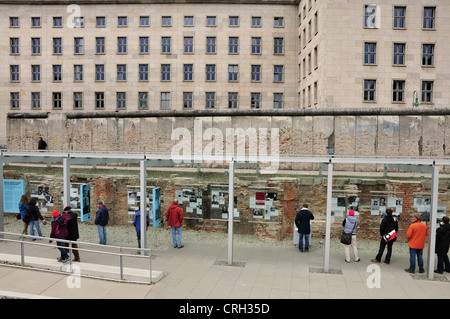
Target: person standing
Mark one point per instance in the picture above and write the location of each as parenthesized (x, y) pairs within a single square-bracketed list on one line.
[(33, 215), (442, 245), (388, 224), (416, 235), (23, 204), (42, 145), (101, 220), (59, 231), (72, 228), (350, 223), (137, 225), (174, 219), (302, 221)]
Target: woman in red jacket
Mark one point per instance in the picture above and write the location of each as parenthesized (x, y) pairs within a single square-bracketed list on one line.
[(174, 218)]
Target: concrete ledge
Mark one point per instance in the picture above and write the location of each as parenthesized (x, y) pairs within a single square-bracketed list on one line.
[(86, 269)]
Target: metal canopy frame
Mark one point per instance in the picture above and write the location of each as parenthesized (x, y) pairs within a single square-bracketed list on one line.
[(428, 165)]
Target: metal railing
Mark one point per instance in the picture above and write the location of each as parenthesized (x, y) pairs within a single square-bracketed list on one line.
[(144, 253)]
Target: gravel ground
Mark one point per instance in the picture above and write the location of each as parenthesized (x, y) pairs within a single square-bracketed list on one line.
[(161, 238)]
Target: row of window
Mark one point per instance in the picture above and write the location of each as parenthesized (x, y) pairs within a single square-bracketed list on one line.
[(372, 17), (144, 21), (144, 45), (398, 91), (399, 54), (165, 100), (143, 73)]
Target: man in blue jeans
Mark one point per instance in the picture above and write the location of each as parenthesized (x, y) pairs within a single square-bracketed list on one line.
[(302, 222), (101, 220), (416, 235), (174, 219)]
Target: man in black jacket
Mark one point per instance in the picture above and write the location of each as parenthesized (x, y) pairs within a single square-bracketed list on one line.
[(101, 220), (442, 245), (72, 228), (302, 219), (387, 225)]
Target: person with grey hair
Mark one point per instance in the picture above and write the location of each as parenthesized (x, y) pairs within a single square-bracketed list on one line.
[(442, 245), (101, 220)]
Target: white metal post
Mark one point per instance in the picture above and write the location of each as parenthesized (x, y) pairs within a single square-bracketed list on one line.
[(328, 220), (66, 181), (143, 188), (230, 211), (433, 217)]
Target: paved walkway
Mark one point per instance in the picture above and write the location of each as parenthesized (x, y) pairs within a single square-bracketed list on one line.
[(200, 271)]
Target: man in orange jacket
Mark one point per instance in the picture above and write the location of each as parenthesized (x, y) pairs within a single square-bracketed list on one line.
[(174, 218), (416, 235)]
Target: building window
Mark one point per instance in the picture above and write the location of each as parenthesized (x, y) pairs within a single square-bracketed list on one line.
[(427, 91), (233, 45), (256, 22), (122, 21), (278, 100), (14, 70), (144, 21), (188, 72), (35, 100), (210, 100), (166, 21), (399, 18), (99, 100), (100, 45), (99, 72), (121, 72), (256, 73), (143, 100), (233, 73), (399, 54), (165, 44), (278, 46), (36, 45), (57, 22), (57, 73), (121, 45), (398, 91), (143, 72), (100, 22), (255, 100), (143, 45), (211, 21), (428, 55), (210, 72), (165, 100), (57, 45), (210, 45), (78, 73), (233, 21), (121, 98), (370, 90), (35, 73), (15, 102), (187, 100), (278, 22), (13, 22), (371, 16), (35, 22), (57, 100), (370, 52), (79, 22), (165, 72), (232, 100), (188, 45), (429, 14), (14, 46), (278, 73), (256, 45), (78, 46), (188, 21)]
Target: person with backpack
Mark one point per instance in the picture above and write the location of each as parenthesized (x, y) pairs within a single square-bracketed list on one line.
[(23, 204), (32, 216), (59, 231)]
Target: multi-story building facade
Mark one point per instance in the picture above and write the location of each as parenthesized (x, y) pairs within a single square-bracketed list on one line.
[(94, 56)]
